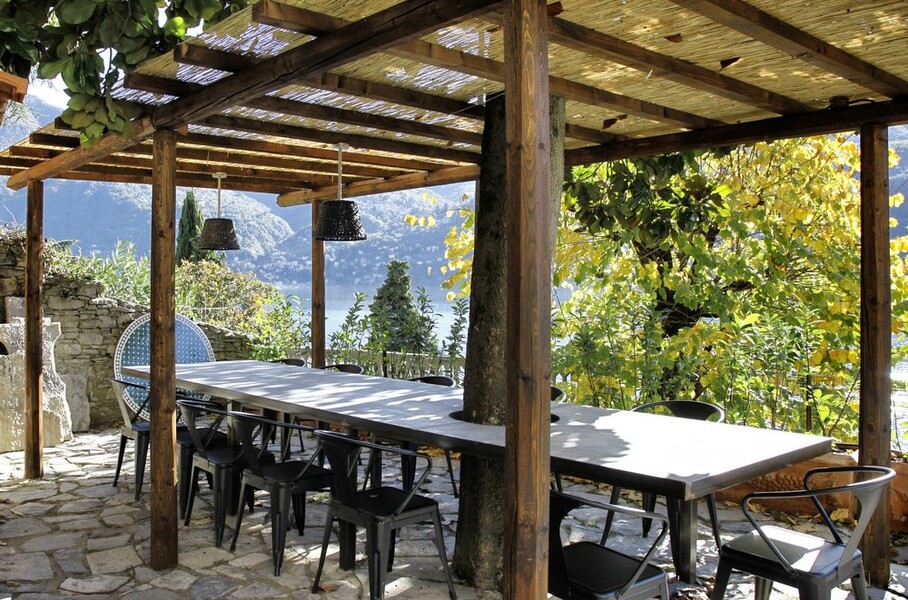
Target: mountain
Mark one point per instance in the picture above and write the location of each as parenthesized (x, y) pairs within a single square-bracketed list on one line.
[(275, 242)]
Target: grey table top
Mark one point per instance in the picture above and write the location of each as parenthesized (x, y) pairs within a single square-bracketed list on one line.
[(678, 457)]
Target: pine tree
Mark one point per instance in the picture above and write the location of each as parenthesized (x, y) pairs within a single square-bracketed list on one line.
[(188, 234), (397, 324)]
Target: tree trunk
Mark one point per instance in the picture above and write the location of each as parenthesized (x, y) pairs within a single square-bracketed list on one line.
[(479, 553)]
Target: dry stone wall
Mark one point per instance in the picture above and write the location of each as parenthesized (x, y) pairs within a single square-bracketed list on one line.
[(91, 324)]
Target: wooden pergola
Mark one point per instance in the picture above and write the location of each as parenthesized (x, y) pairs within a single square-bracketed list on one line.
[(263, 95)]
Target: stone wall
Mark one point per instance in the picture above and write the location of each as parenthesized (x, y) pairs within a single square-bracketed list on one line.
[(91, 324)]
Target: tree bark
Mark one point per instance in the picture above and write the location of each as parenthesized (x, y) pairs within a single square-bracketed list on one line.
[(478, 554)]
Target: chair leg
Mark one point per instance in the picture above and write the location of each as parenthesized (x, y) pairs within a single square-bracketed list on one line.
[(299, 511), (381, 547), (280, 507), (123, 440), (185, 483), (220, 505), (192, 492), (329, 522), (142, 442), (241, 505), (443, 555), (859, 585), (762, 588), (616, 493), (649, 504), (714, 520), (723, 572), (451, 472)]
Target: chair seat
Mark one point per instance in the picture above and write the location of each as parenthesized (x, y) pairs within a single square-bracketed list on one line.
[(184, 438), (807, 553), (382, 502), (600, 572), (289, 471)]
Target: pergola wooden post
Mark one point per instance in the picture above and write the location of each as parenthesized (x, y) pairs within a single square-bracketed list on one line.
[(318, 293), (529, 301), (163, 354), (876, 325), (34, 332)]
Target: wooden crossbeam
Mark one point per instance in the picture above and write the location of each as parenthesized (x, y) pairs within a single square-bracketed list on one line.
[(592, 42), (394, 25), (388, 27), (175, 87), (820, 122), (309, 22), (209, 58), (765, 28), (335, 137), (376, 186)]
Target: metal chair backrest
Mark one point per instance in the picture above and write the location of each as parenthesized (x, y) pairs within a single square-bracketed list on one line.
[(345, 368), (296, 362), (194, 412), (435, 380), (558, 395), (867, 492), (121, 390), (685, 409), (134, 348)]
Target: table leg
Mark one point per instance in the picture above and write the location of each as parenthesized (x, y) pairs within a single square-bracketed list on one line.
[(682, 518)]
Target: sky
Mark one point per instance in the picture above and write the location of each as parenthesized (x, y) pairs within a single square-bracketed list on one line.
[(49, 91)]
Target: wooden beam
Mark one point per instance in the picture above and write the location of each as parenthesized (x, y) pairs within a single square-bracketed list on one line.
[(394, 25), (12, 87), (163, 355), (331, 137), (317, 24), (199, 165), (142, 128), (318, 293), (874, 433), (660, 66), (34, 332), (410, 181), (209, 58), (529, 286), (765, 28), (175, 87), (820, 122)]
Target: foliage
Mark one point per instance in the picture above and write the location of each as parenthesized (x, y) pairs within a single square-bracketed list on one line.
[(70, 38), (397, 324), (188, 233), (454, 344), (353, 333)]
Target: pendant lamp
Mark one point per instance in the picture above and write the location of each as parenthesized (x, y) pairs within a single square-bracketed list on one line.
[(338, 220), (218, 233)]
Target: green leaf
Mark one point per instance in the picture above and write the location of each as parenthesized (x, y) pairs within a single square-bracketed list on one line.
[(76, 12), (49, 70)]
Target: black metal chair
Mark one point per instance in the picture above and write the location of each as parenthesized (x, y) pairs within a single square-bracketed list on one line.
[(685, 409), (296, 362), (223, 462), (380, 509), (209, 432), (814, 565), (287, 480), (345, 368), (135, 427), (587, 570)]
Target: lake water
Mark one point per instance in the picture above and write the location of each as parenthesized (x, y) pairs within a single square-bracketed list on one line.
[(338, 302)]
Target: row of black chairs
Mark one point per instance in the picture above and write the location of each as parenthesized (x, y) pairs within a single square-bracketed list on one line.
[(576, 570)]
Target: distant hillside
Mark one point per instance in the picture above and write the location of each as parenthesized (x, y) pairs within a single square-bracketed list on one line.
[(276, 241)]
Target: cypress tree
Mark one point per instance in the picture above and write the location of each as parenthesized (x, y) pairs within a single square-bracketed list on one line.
[(188, 232)]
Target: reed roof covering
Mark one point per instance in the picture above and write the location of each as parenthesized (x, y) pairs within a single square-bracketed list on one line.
[(640, 77)]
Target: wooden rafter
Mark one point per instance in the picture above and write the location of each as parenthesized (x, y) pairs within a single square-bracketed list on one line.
[(293, 18), (583, 39), (823, 122), (377, 186), (175, 87), (385, 28), (209, 58), (764, 27)]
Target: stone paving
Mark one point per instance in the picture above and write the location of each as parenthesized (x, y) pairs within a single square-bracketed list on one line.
[(74, 534)]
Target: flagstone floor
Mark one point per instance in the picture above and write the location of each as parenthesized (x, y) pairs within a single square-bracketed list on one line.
[(74, 534)]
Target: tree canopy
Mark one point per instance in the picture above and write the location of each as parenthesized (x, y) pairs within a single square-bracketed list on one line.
[(91, 43)]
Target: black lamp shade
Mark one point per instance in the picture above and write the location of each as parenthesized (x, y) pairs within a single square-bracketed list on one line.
[(338, 221), (218, 234)]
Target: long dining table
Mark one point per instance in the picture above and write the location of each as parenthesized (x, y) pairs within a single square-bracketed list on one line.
[(682, 459)]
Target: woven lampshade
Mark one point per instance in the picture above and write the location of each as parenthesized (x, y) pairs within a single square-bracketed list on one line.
[(218, 234), (338, 221)]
